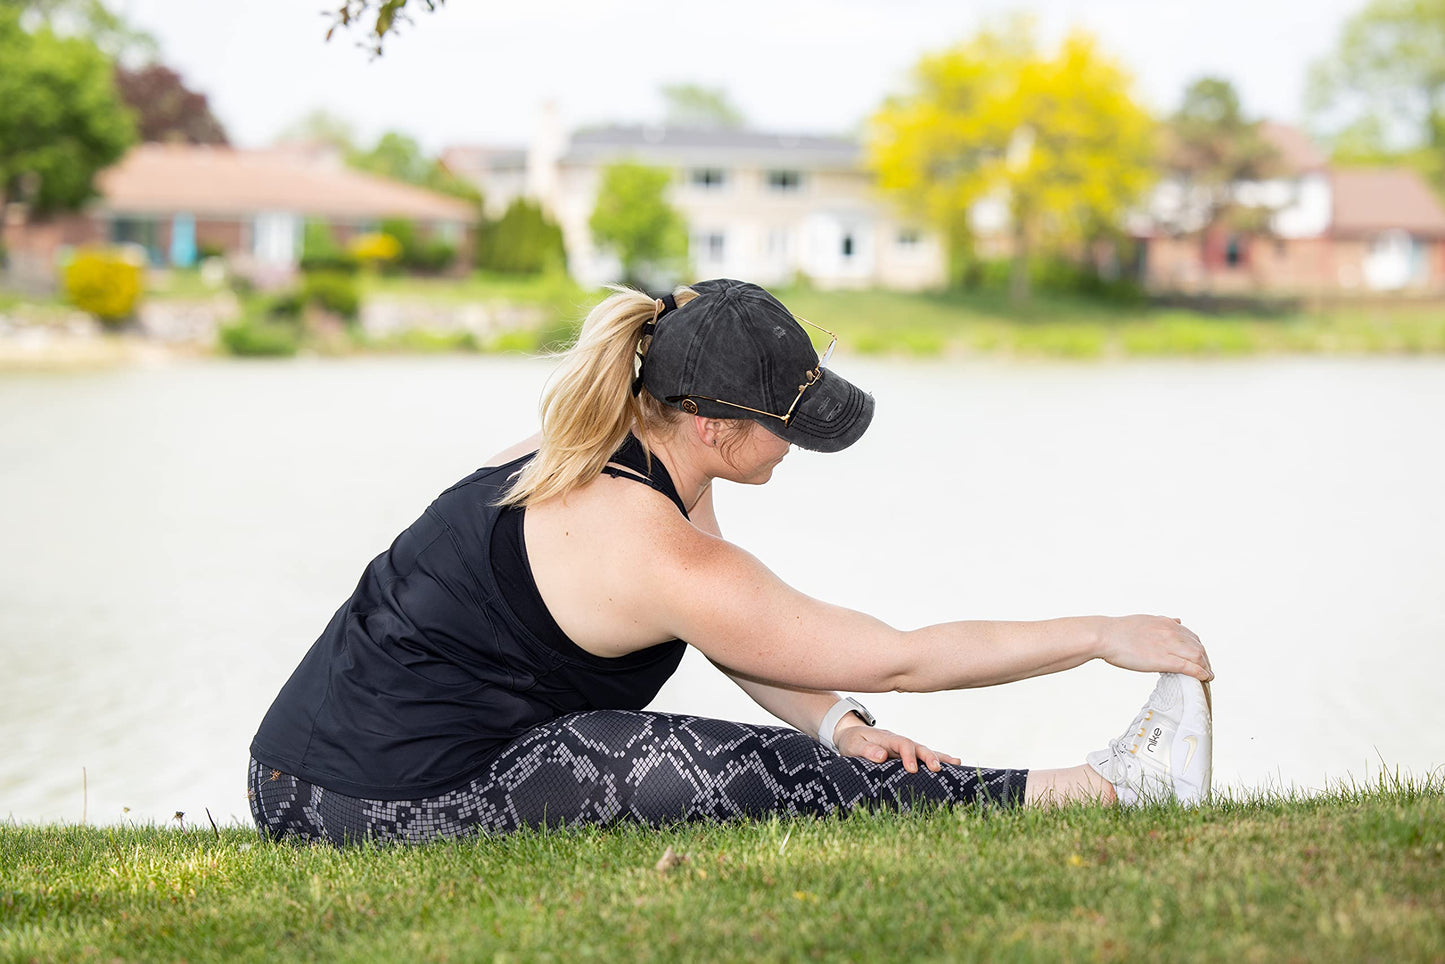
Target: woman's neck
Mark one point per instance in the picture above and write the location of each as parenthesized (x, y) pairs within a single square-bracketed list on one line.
[(688, 472)]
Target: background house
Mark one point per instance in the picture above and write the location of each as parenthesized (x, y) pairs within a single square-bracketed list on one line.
[(1315, 229), (172, 200), (760, 206)]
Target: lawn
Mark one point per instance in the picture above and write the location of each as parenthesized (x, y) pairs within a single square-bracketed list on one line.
[(877, 321), (1351, 874), (927, 324)]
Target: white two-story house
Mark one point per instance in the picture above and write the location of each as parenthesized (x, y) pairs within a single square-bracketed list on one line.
[(759, 206)]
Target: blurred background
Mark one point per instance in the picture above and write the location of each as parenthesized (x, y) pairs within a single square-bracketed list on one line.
[(1151, 296)]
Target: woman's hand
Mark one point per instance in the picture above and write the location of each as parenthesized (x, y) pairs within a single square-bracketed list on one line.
[(875, 745), (1154, 644)]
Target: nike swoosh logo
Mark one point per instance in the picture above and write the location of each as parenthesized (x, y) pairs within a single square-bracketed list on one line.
[(1193, 742)]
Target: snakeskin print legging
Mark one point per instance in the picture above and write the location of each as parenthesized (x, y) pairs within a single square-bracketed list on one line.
[(606, 766)]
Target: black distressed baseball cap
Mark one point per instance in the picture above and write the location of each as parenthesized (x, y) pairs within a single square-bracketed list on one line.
[(734, 351)]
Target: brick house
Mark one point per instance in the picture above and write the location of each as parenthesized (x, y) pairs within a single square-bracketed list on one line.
[(1324, 230), (171, 200)]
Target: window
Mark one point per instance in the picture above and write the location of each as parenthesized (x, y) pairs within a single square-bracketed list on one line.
[(708, 178), (848, 245), (711, 245), (1234, 251), (909, 238), (140, 231), (785, 181)]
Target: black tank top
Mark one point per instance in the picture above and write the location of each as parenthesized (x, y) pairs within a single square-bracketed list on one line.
[(445, 653), (512, 570)]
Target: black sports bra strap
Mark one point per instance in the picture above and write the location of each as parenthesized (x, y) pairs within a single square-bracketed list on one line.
[(631, 455)]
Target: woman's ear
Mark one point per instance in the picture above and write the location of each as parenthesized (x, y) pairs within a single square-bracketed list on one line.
[(708, 430)]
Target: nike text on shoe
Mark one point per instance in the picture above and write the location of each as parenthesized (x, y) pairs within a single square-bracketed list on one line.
[(1167, 752)]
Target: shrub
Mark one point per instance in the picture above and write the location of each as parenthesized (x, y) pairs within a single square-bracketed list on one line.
[(259, 338), (340, 263), (1053, 274), (403, 231), (426, 255), (241, 286), (317, 241), (208, 249), (433, 257), (523, 241), (375, 248), (1064, 276), (103, 284), (320, 252), (287, 304), (335, 292)]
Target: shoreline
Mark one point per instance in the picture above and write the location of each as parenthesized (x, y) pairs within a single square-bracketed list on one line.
[(61, 353)]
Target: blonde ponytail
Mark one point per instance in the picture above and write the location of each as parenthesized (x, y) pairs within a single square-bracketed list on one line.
[(588, 408)]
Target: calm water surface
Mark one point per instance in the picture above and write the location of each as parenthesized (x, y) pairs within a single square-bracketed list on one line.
[(176, 537)]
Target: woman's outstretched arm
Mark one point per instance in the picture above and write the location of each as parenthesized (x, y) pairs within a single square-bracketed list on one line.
[(739, 614)]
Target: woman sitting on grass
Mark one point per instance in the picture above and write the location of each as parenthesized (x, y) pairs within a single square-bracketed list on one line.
[(491, 668)]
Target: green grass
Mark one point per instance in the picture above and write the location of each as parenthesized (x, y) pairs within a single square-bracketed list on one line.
[(935, 323), (1352, 874), (480, 286)]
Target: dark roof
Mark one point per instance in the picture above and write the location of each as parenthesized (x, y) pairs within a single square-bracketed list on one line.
[(700, 146), (464, 158), (1381, 199)]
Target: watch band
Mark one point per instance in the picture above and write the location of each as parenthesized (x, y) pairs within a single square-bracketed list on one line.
[(839, 710)]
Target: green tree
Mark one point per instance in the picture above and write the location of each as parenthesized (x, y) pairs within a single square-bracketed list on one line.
[(1381, 92), (1210, 146), (322, 127), (90, 20), (1057, 139), (399, 157), (523, 241), (396, 156), (633, 220), (693, 105), (61, 120)]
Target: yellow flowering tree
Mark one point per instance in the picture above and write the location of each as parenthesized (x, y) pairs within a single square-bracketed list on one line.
[(1055, 139)]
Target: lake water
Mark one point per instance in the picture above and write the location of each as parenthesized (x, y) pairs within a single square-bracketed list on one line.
[(176, 536)]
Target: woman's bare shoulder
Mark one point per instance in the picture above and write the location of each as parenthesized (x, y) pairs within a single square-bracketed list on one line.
[(513, 451)]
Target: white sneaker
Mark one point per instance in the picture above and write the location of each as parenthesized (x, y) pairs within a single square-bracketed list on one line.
[(1167, 752)]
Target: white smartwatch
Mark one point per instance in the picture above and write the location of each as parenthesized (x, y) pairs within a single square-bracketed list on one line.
[(841, 709)]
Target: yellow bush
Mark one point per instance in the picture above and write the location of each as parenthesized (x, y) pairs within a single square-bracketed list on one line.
[(104, 284), (375, 248)]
